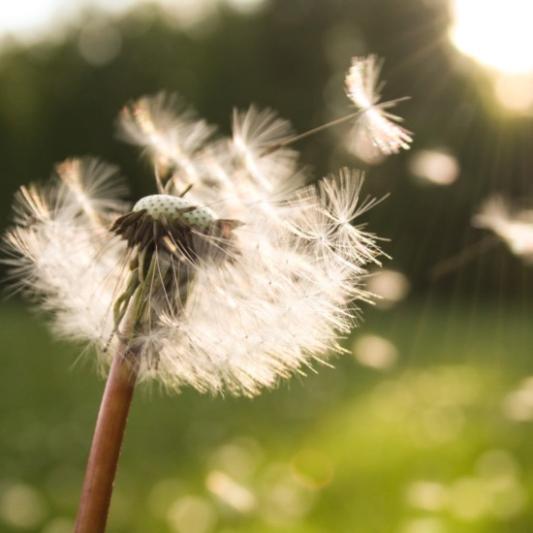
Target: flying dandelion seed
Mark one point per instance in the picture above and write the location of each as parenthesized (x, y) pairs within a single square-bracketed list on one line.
[(376, 131), (514, 226)]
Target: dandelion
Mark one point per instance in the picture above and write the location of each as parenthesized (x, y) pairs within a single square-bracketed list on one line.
[(375, 126), (513, 226), (376, 132), (232, 276)]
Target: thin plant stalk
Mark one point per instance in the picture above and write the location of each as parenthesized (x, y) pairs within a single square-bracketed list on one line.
[(340, 120), (106, 443), (312, 131)]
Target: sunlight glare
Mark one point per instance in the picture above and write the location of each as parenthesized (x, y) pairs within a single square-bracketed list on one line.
[(497, 33), (27, 15)]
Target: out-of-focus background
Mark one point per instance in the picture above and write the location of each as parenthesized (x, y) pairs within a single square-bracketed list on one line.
[(425, 426)]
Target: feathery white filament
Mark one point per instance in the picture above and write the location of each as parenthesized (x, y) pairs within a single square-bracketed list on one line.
[(94, 186), (168, 131), (266, 306), (56, 253), (375, 126)]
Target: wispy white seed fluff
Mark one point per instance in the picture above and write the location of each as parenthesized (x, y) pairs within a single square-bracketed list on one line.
[(375, 126), (277, 285), (60, 250), (513, 225)]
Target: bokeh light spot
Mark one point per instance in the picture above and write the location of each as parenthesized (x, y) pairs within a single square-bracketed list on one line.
[(99, 43), (426, 495), (22, 506), (390, 286), (230, 492), (374, 351), (437, 167), (192, 514)]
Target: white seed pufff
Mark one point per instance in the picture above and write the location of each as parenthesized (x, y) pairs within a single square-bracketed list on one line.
[(165, 206)]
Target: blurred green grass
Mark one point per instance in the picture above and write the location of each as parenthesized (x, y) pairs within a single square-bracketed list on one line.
[(439, 443)]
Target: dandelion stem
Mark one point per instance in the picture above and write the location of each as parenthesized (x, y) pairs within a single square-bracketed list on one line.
[(106, 444)]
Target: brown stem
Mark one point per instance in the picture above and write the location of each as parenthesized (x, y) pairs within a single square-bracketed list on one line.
[(107, 440)]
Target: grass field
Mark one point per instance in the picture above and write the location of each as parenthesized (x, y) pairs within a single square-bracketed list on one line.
[(439, 443)]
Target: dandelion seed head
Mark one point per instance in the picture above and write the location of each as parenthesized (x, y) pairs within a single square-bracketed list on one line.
[(161, 206), (234, 276), (375, 126)]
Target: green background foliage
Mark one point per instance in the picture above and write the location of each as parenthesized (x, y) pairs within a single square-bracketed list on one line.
[(426, 447)]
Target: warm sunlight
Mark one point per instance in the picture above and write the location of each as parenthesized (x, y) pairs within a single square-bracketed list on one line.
[(27, 15), (495, 32)]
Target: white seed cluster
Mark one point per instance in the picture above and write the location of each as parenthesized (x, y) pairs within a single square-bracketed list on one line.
[(165, 206), (266, 305)]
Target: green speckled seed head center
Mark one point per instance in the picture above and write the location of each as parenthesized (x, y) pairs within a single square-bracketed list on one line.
[(173, 208)]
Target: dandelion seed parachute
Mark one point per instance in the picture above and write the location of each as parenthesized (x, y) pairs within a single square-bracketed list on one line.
[(375, 127), (168, 131), (243, 279), (512, 225), (55, 250)]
